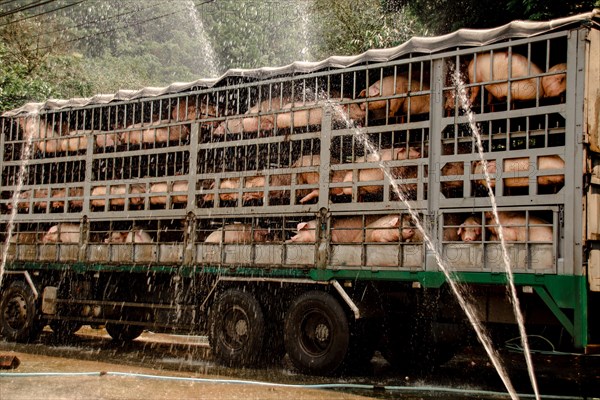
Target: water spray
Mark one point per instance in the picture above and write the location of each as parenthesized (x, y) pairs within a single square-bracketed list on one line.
[(456, 289), (512, 292), (25, 157)]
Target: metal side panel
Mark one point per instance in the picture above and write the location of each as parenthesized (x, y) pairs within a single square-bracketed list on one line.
[(593, 202), (593, 226), (594, 267), (592, 92)]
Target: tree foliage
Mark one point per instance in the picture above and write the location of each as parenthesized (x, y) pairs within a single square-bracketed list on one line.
[(34, 67), (443, 16), (351, 27)]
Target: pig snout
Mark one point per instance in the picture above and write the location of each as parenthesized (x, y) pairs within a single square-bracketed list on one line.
[(306, 232), (408, 233), (220, 130), (51, 236), (470, 230), (116, 237)]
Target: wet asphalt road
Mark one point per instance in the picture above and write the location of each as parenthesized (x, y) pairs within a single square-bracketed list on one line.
[(469, 375)]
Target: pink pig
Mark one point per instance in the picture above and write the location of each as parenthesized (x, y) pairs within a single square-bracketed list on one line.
[(470, 229), (65, 233), (376, 174)]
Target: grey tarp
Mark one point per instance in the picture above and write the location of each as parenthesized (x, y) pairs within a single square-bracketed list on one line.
[(425, 45)]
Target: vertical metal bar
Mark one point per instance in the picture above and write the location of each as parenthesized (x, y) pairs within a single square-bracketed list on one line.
[(325, 158), (573, 145), (436, 113)]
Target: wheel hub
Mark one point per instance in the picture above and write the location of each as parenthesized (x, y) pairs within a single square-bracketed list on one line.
[(322, 332), (241, 327), (16, 313)]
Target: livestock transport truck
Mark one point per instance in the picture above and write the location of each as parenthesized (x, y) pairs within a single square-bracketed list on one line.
[(250, 207)]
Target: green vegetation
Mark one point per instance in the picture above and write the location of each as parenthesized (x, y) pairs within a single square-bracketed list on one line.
[(73, 48)]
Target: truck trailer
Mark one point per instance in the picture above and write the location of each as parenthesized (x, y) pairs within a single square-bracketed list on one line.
[(319, 209)]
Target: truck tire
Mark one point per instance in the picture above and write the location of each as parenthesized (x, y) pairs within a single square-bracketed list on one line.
[(19, 317), (236, 329), (124, 333), (316, 333)]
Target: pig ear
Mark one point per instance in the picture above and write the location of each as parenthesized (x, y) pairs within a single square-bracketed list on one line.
[(374, 91), (362, 93), (395, 222), (301, 226), (460, 229)]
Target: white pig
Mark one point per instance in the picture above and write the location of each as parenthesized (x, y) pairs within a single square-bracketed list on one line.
[(230, 183), (386, 87), (134, 236), (163, 187), (37, 194), (312, 178), (58, 196), (456, 169), (104, 139), (254, 122), (514, 229), (249, 182), (523, 89), (376, 174), (555, 85), (187, 111), (298, 118), (237, 233), (306, 232), (41, 132), (523, 164), (62, 233), (153, 132), (116, 190), (76, 141), (234, 183), (343, 230), (470, 229), (311, 113), (385, 229)]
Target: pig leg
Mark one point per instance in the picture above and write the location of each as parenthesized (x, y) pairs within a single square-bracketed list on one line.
[(310, 196)]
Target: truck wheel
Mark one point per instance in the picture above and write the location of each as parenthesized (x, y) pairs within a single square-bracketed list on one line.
[(237, 327), (19, 319), (124, 333), (316, 333)]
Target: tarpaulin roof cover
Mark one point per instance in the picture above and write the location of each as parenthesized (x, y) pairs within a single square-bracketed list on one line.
[(425, 45)]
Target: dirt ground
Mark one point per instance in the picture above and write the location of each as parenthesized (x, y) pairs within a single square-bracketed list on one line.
[(147, 384), (161, 366)]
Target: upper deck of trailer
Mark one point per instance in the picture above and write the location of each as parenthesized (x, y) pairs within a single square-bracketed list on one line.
[(413, 48)]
